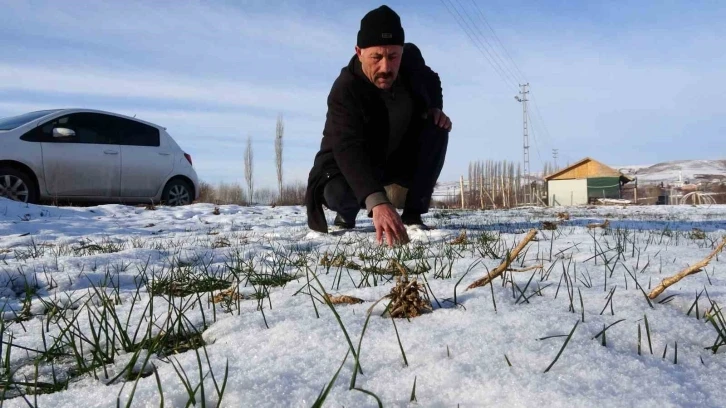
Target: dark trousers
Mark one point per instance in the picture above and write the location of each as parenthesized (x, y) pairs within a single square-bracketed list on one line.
[(415, 165)]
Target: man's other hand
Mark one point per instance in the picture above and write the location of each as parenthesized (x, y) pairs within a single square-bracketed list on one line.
[(386, 220), (440, 118)]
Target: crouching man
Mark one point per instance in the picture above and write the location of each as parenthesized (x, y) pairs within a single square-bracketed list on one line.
[(385, 136)]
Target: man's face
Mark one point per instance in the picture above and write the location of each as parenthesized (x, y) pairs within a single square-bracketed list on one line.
[(380, 64)]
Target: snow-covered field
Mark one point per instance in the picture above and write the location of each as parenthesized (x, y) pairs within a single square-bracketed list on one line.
[(87, 292)]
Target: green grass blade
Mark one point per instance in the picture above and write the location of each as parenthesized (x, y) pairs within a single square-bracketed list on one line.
[(360, 342), (605, 328), (413, 391), (675, 357), (639, 352), (324, 394), (647, 333), (158, 386), (340, 321), (400, 345), (378, 400), (563, 347)]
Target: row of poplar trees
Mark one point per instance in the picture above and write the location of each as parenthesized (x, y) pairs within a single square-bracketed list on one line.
[(501, 184)]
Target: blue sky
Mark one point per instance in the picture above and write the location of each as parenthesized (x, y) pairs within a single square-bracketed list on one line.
[(624, 82)]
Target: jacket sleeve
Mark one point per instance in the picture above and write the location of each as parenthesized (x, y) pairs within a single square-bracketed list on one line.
[(433, 86), (349, 143), (415, 63)]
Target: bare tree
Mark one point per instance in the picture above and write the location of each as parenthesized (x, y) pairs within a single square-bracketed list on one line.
[(248, 168), (279, 131)]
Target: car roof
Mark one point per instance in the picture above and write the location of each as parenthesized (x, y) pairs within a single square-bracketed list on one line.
[(64, 111)]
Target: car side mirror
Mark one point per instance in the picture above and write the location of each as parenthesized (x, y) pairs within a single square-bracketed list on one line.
[(63, 132)]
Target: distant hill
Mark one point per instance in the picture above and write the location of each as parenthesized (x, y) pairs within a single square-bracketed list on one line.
[(691, 171)]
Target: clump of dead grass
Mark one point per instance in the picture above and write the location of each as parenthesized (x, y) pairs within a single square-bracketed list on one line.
[(406, 299), (227, 295), (338, 261), (697, 233), (461, 239)]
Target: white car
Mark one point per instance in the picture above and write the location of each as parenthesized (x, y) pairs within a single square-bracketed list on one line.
[(89, 155)]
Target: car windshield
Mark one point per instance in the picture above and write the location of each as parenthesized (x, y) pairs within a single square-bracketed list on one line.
[(13, 122)]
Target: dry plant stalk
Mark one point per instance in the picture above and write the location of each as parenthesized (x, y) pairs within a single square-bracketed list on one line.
[(406, 300), (529, 268), (343, 299), (563, 216), (229, 294), (603, 225), (695, 268), (505, 264), (395, 266)]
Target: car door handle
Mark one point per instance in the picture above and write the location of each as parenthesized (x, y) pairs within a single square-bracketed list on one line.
[(110, 151), (164, 154)]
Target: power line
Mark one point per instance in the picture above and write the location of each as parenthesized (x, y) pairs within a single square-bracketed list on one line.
[(496, 37), (534, 137), (545, 132), (505, 67), (495, 57), (539, 116), (479, 46), (538, 130)]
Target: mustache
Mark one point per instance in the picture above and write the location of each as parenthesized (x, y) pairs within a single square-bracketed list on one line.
[(383, 75)]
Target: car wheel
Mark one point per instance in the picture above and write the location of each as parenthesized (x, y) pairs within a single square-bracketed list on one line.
[(177, 192), (17, 185)]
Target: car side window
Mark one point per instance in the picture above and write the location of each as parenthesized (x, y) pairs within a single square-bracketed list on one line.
[(88, 128), (132, 133)]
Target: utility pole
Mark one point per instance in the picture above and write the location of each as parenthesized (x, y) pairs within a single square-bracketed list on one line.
[(554, 155), (523, 99)]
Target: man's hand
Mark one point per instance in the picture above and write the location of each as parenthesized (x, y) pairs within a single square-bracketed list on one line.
[(440, 118), (386, 219)]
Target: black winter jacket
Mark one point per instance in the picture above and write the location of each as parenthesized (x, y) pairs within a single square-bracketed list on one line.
[(356, 130)]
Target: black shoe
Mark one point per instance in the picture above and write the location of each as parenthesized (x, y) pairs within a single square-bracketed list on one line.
[(414, 220), (340, 222)]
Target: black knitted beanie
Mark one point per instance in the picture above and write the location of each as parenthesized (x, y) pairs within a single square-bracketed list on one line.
[(381, 26)]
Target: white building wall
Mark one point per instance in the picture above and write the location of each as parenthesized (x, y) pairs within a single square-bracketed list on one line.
[(567, 192)]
